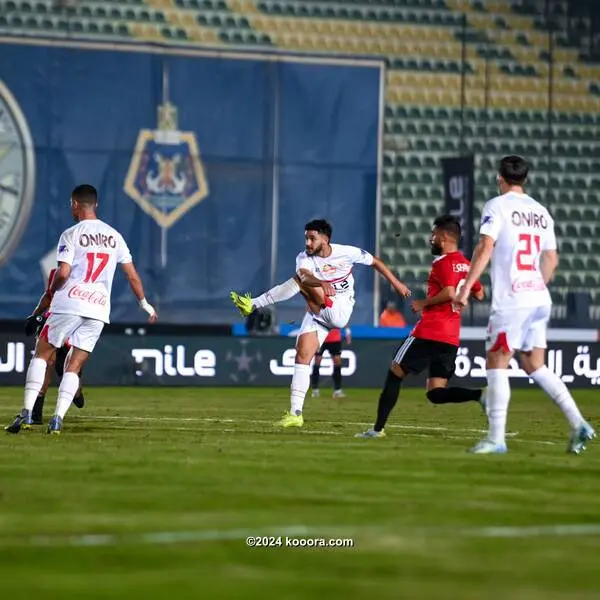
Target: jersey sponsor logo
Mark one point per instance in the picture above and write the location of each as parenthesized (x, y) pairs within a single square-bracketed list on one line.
[(166, 177), (529, 285), (327, 269), (94, 297), (528, 219), (487, 220), (460, 268), (17, 173), (97, 239)]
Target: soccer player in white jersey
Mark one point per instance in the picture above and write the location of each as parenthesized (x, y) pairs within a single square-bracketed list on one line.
[(517, 234), (324, 278), (87, 256)]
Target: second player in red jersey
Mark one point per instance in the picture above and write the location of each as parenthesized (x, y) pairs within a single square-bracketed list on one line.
[(439, 320), (433, 343)]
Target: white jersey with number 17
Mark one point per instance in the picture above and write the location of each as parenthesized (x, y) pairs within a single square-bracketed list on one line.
[(93, 249), (522, 229)]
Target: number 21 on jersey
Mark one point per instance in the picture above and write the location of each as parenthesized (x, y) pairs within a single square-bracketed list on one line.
[(527, 252)]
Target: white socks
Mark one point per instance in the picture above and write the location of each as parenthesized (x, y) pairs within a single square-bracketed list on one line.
[(34, 381), (498, 397), (299, 387), (284, 291), (557, 390), (69, 384)]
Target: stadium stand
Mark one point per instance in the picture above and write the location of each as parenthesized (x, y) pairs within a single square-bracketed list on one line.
[(482, 76)]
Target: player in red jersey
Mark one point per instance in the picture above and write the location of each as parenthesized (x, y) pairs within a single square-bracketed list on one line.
[(33, 326), (333, 345), (433, 342)]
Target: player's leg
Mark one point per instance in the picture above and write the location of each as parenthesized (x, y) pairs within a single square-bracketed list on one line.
[(534, 364), (336, 354), (37, 413), (61, 357), (83, 340), (51, 335), (504, 336), (280, 293), (314, 378), (309, 340), (409, 358), (441, 370)]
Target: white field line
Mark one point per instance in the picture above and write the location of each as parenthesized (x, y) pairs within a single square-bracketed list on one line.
[(415, 429), (303, 531)]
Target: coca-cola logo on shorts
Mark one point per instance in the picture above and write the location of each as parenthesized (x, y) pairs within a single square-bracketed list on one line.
[(91, 296)]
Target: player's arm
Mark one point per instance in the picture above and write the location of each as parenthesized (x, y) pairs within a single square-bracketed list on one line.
[(548, 264), (549, 258), (43, 305), (135, 283), (60, 277), (481, 258), (307, 278), (384, 270), (65, 253), (491, 222)]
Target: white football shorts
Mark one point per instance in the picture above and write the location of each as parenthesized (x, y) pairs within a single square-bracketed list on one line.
[(80, 332), (336, 316), (518, 329)]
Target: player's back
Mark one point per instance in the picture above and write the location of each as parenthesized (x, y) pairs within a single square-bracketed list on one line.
[(522, 229), (93, 249)]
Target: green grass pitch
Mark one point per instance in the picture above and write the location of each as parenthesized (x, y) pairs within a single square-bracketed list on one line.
[(151, 493)]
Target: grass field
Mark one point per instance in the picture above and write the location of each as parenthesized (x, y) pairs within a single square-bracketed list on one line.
[(151, 493)]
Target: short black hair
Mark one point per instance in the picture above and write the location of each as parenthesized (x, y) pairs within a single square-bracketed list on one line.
[(85, 194), (320, 226), (450, 224), (514, 169)]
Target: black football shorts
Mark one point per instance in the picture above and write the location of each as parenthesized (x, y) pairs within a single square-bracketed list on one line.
[(416, 354)]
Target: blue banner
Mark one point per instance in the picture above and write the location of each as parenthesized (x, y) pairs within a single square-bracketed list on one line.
[(191, 154)]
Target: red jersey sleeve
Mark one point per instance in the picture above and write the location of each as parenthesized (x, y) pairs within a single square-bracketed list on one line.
[(477, 286)]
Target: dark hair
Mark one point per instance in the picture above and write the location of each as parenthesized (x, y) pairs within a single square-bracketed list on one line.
[(85, 194), (514, 169), (320, 226), (449, 224)]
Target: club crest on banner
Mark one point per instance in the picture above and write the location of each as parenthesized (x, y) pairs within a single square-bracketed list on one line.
[(166, 176)]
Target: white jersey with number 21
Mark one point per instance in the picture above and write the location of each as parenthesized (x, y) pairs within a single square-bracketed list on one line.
[(93, 249), (336, 269), (522, 229)]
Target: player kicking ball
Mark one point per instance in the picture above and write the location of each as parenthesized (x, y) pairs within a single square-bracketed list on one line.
[(324, 278), (433, 342)]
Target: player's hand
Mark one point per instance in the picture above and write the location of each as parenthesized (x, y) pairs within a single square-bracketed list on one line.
[(461, 299), (402, 290), (146, 306), (328, 289), (417, 305), (32, 323)]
